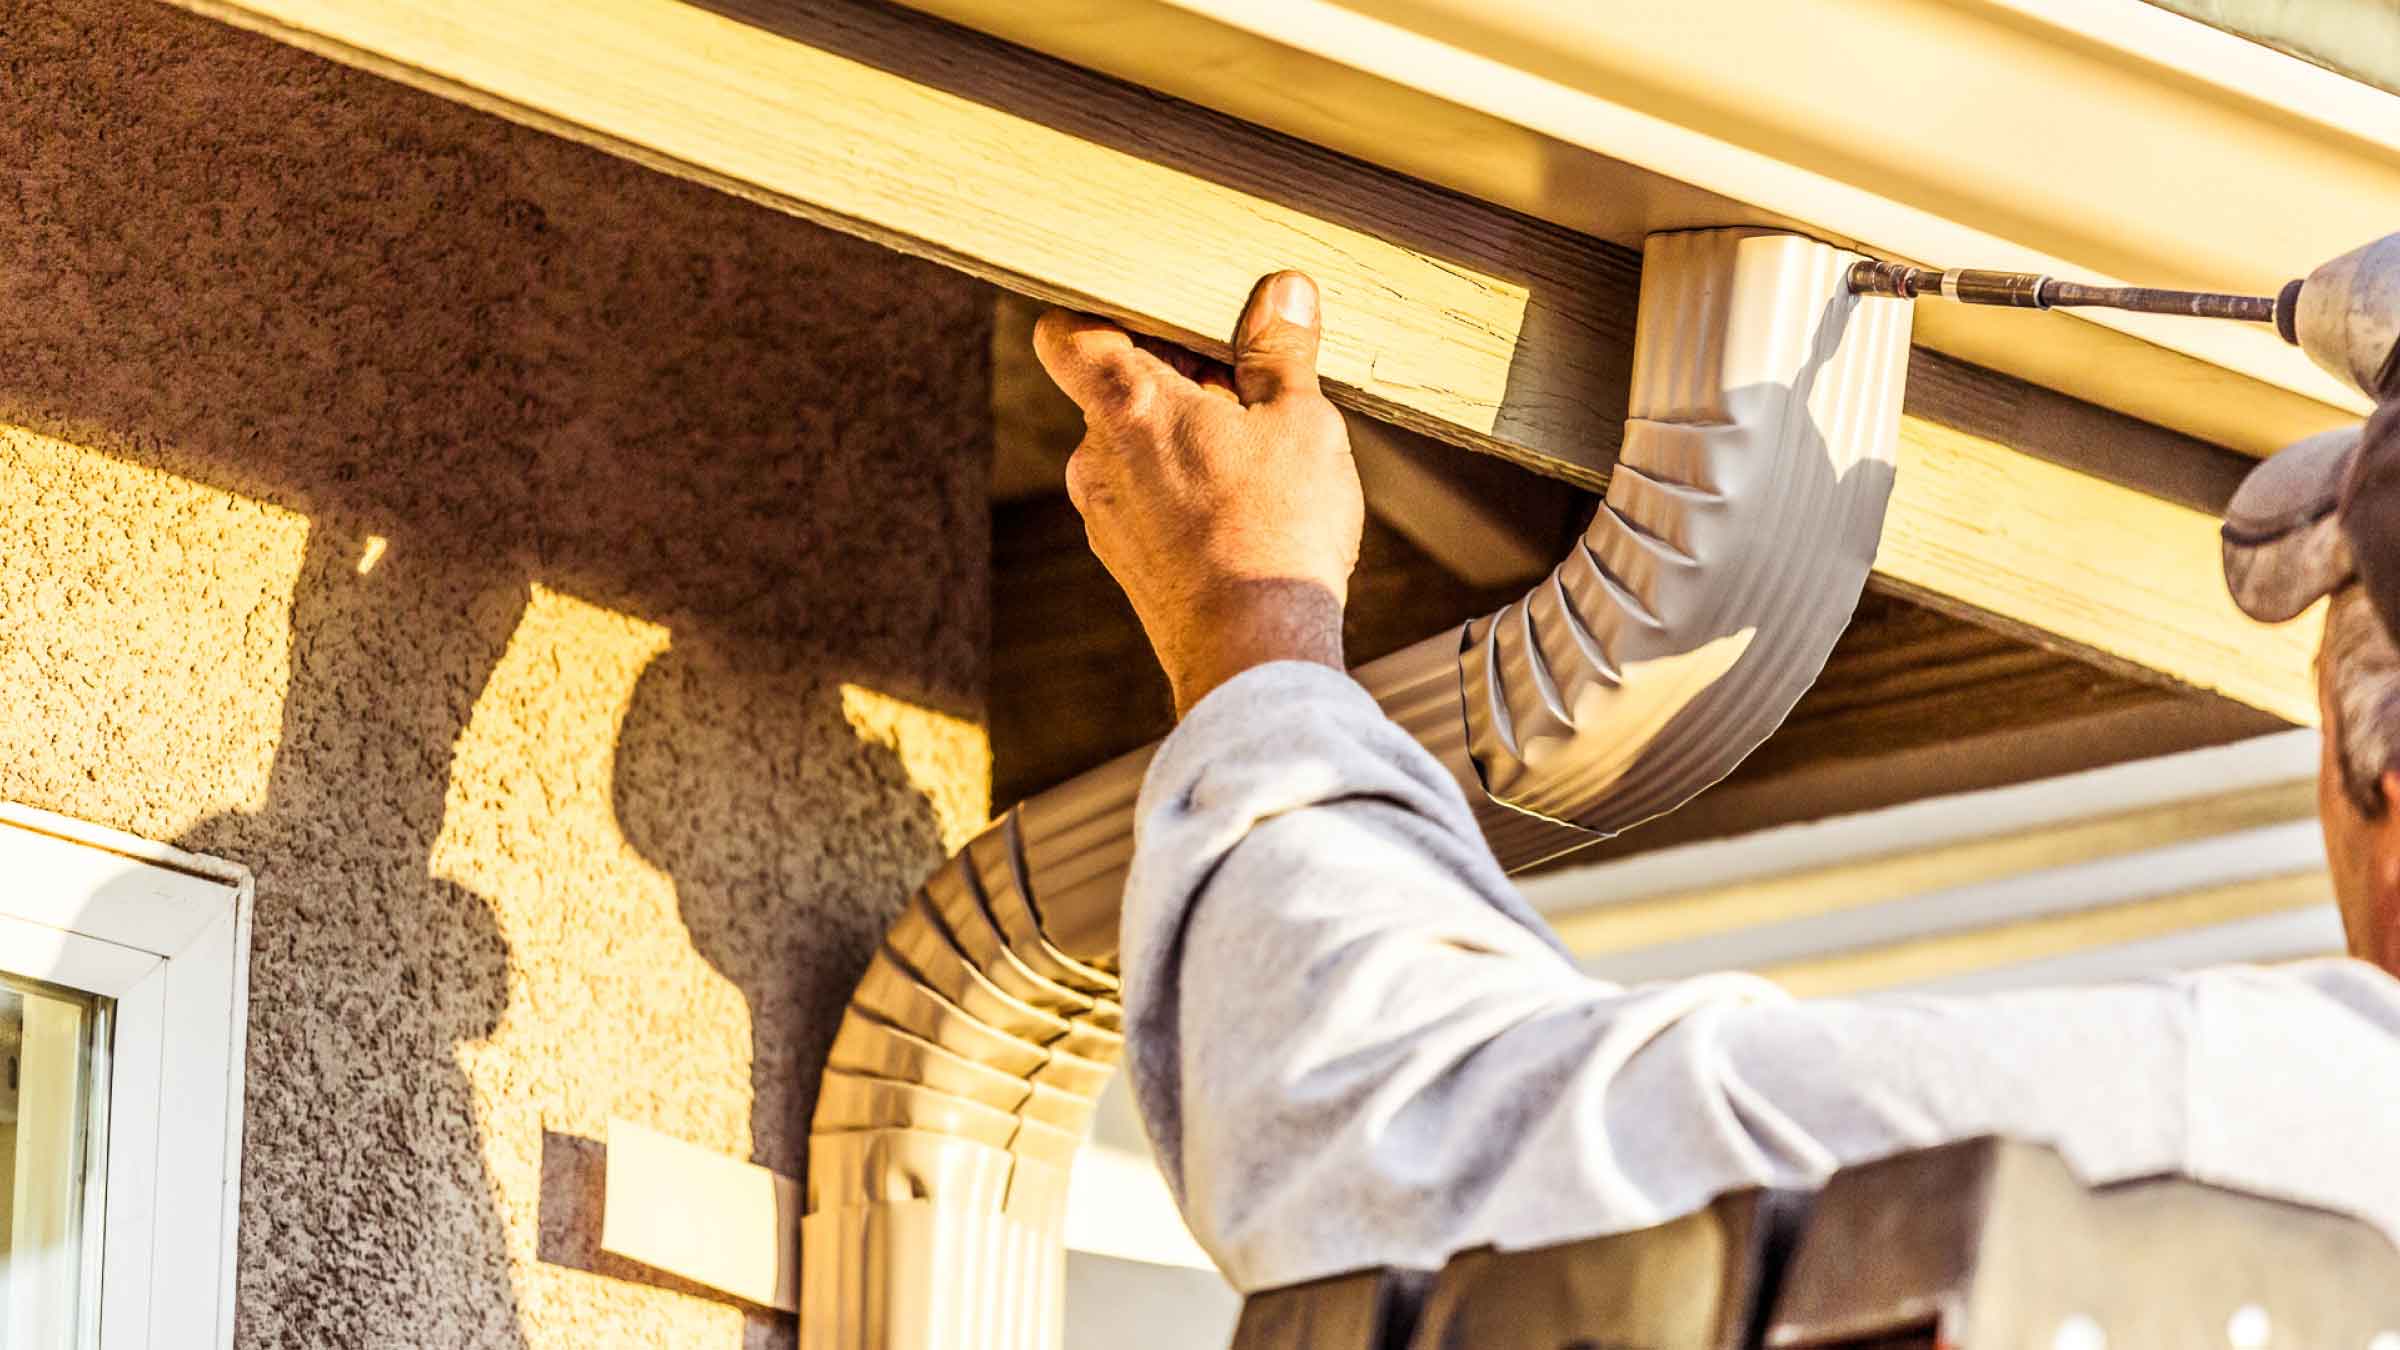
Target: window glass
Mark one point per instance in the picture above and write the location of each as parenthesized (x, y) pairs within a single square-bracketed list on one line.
[(50, 1042)]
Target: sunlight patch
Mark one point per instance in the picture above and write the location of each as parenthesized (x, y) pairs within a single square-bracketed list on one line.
[(948, 759)]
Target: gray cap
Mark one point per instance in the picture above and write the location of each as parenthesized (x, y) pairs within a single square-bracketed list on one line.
[(2317, 516)]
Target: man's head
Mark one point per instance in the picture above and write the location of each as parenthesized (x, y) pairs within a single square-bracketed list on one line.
[(2320, 520)]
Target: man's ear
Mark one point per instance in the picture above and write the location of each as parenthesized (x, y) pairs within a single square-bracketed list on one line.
[(2384, 834), (2375, 933)]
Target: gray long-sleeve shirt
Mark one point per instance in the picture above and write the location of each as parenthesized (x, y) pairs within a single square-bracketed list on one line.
[(1353, 1043)]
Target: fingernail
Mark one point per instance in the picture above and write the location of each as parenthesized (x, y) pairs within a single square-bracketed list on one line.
[(1295, 299)]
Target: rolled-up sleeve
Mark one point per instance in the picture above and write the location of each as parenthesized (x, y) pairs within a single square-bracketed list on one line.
[(1353, 1043)]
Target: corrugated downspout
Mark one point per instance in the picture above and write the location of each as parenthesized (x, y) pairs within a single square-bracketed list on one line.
[(1736, 535)]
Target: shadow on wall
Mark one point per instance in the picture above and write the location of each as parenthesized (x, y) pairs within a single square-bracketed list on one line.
[(369, 972), (740, 732), (521, 363)]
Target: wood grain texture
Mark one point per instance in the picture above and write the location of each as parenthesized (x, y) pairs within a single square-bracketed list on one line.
[(1611, 120), (2082, 530), (1904, 677), (1483, 520), (2076, 562), (1451, 317)]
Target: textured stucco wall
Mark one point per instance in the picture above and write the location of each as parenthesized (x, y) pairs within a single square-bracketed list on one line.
[(563, 585)]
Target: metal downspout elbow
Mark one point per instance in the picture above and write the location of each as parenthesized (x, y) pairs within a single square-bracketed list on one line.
[(1730, 551)]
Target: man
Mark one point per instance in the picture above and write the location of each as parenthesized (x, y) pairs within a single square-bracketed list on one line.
[(1354, 1044)]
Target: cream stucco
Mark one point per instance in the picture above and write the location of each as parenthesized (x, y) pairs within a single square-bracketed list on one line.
[(563, 585)]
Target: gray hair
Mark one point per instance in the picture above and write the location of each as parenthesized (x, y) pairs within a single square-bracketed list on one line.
[(2359, 672)]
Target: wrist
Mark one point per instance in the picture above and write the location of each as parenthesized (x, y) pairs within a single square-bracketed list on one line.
[(1252, 624)]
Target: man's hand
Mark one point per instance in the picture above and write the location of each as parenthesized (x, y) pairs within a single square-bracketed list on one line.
[(1223, 501)]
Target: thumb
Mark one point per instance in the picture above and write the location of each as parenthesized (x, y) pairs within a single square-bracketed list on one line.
[(1275, 344)]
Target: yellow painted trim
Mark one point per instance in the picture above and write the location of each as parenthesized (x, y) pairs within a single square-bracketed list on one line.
[(2096, 567), (1709, 911), (1952, 954)]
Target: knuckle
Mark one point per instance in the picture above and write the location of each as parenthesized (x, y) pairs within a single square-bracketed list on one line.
[(1265, 359), (1289, 376), (1281, 343), (1083, 475), (1123, 388), (1120, 373)]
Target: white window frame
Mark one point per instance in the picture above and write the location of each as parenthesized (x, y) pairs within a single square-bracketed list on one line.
[(166, 935)]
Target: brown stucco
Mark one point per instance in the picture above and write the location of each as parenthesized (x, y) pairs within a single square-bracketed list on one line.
[(563, 585)]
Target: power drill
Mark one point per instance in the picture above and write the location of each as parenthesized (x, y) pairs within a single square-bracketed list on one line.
[(2345, 314)]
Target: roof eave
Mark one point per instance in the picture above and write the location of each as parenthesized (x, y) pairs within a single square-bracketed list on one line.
[(2099, 139)]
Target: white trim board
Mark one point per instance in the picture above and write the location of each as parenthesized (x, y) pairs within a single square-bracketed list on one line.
[(2204, 856), (2283, 757), (2265, 939), (2253, 855), (733, 1225), (1118, 1205), (166, 935)]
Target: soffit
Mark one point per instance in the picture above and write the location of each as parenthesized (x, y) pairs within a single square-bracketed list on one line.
[(2102, 139)]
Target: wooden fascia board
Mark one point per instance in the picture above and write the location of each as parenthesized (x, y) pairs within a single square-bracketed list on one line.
[(1468, 324), (2073, 561), (2102, 139), (1446, 315)]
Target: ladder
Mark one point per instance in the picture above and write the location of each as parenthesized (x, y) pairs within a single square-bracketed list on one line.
[(1985, 1244)]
